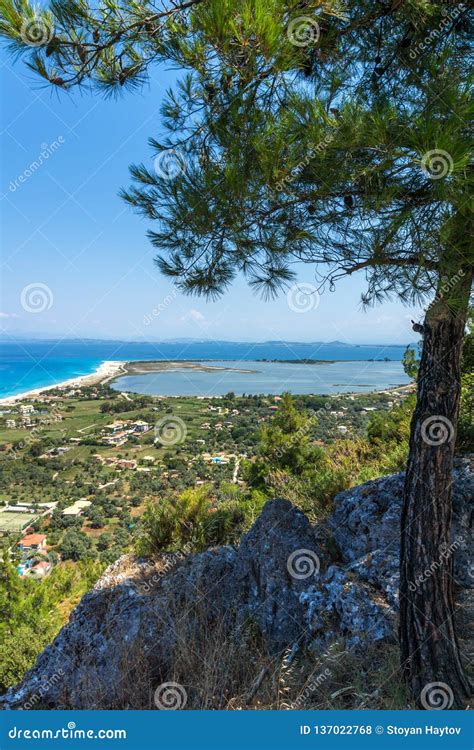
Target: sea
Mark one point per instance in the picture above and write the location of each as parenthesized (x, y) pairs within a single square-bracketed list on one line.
[(25, 365)]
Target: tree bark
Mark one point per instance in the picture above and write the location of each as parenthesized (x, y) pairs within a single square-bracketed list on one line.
[(430, 657)]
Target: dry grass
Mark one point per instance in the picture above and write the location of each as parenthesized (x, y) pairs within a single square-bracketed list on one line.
[(221, 669)]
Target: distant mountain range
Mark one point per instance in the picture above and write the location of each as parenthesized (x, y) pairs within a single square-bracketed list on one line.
[(187, 340)]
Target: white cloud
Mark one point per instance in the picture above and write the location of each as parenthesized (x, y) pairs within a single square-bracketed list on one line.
[(8, 315), (194, 315)]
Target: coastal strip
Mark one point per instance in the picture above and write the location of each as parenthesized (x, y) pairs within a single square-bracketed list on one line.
[(111, 370), (106, 372)]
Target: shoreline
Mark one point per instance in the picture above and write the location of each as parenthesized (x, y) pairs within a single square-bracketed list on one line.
[(110, 370), (106, 371), (145, 367)]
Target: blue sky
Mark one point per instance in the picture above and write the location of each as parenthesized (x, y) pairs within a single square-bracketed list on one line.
[(76, 261)]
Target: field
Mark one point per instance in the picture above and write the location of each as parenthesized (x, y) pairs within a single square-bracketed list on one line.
[(13, 523)]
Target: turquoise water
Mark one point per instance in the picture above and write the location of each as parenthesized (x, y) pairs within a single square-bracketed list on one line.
[(270, 377), (32, 364)]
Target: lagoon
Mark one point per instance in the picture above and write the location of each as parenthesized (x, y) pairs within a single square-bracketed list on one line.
[(32, 364), (267, 378)]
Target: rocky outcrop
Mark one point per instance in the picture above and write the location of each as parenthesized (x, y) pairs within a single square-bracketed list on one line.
[(365, 524), (359, 595), (280, 580)]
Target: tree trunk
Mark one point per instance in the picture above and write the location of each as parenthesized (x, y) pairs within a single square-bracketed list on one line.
[(430, 656)]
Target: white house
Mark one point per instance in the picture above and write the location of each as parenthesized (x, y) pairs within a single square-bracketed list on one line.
[(140, 426), (77, 508), (26, 409), (117, 439), (117, 426)]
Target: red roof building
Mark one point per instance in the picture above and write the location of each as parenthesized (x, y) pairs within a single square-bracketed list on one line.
[(33, 541)]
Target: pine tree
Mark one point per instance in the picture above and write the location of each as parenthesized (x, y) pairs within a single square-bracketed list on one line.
[(320, 132)]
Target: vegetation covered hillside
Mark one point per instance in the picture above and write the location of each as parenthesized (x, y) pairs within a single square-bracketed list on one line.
[(202, 484)]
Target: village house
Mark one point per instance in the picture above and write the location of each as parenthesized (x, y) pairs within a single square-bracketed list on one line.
[(77, 508), (141, 426), (119, 438), (59, 451), (11, 424), (26, 409), (41, 569), (32, 543), (117, 426)]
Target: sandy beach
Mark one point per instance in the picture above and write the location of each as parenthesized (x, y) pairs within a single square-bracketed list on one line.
[(105, 372), (108, 371), (142, 367)]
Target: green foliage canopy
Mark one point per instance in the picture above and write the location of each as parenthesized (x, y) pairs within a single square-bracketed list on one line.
[(321, 132)]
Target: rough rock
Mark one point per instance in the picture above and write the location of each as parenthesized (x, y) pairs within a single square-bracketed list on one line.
[(121, 640), (366, 528)]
